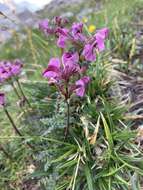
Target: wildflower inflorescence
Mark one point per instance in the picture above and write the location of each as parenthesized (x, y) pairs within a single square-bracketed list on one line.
[(9, 69), (68, 72), (9, 73)]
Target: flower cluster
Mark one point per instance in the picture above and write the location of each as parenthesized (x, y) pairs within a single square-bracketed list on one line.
[(9, 69), (67, 73), (63, 73), (9, 72), (86, 45)]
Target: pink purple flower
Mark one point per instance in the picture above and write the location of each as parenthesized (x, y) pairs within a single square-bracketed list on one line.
[(77, 31), (53, 70), (70, 57), (16, 67), (9, 69), (62, 37), (57, 71), (96, 43), (100, 36), (44, 25), (64, 74), (4, 73), (81, 86), (89, 52), (104, 32)]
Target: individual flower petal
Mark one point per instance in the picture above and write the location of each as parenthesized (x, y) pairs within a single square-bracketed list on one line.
[(77, 31), (88, 52), (62, 37), (85, 79), (81, 86), (77, 27), (2, 99), (55, 62), (104, 32), (100, 42), (16, 67), (70, 57), (49, 74), (100, 36), (43, 25), (2, 76), (53, 70), (61, 41), (5, 75)]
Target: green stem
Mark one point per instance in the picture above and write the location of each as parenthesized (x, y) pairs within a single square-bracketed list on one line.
[(68, 119), (12, 122), (15, 90), (22, 92), (15, 128)]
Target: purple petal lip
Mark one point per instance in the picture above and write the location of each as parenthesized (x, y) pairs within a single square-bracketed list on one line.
[(55, 62), (62, 37), (53, 69), (70, 57), (2, 99), (81, 86), (43, 25), (76, 31), (77, 28), (104, 32), (97, 42), (88, 52)]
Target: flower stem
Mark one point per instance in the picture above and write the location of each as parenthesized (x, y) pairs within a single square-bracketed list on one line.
[(12, 122), (15, 128), (22, 92), (15, 90), (68, 119)]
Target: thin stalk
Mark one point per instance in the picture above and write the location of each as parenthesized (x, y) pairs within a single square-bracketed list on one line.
[(62, 51), (15, 127), (68, 119), (12, 122), (17, 93), (15, 90), (22, 92), (5, 152)]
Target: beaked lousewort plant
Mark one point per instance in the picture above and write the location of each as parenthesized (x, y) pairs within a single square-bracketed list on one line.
[(68, 73), (99, 153)]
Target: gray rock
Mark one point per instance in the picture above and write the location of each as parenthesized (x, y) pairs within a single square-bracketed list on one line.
[(63, 7)]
